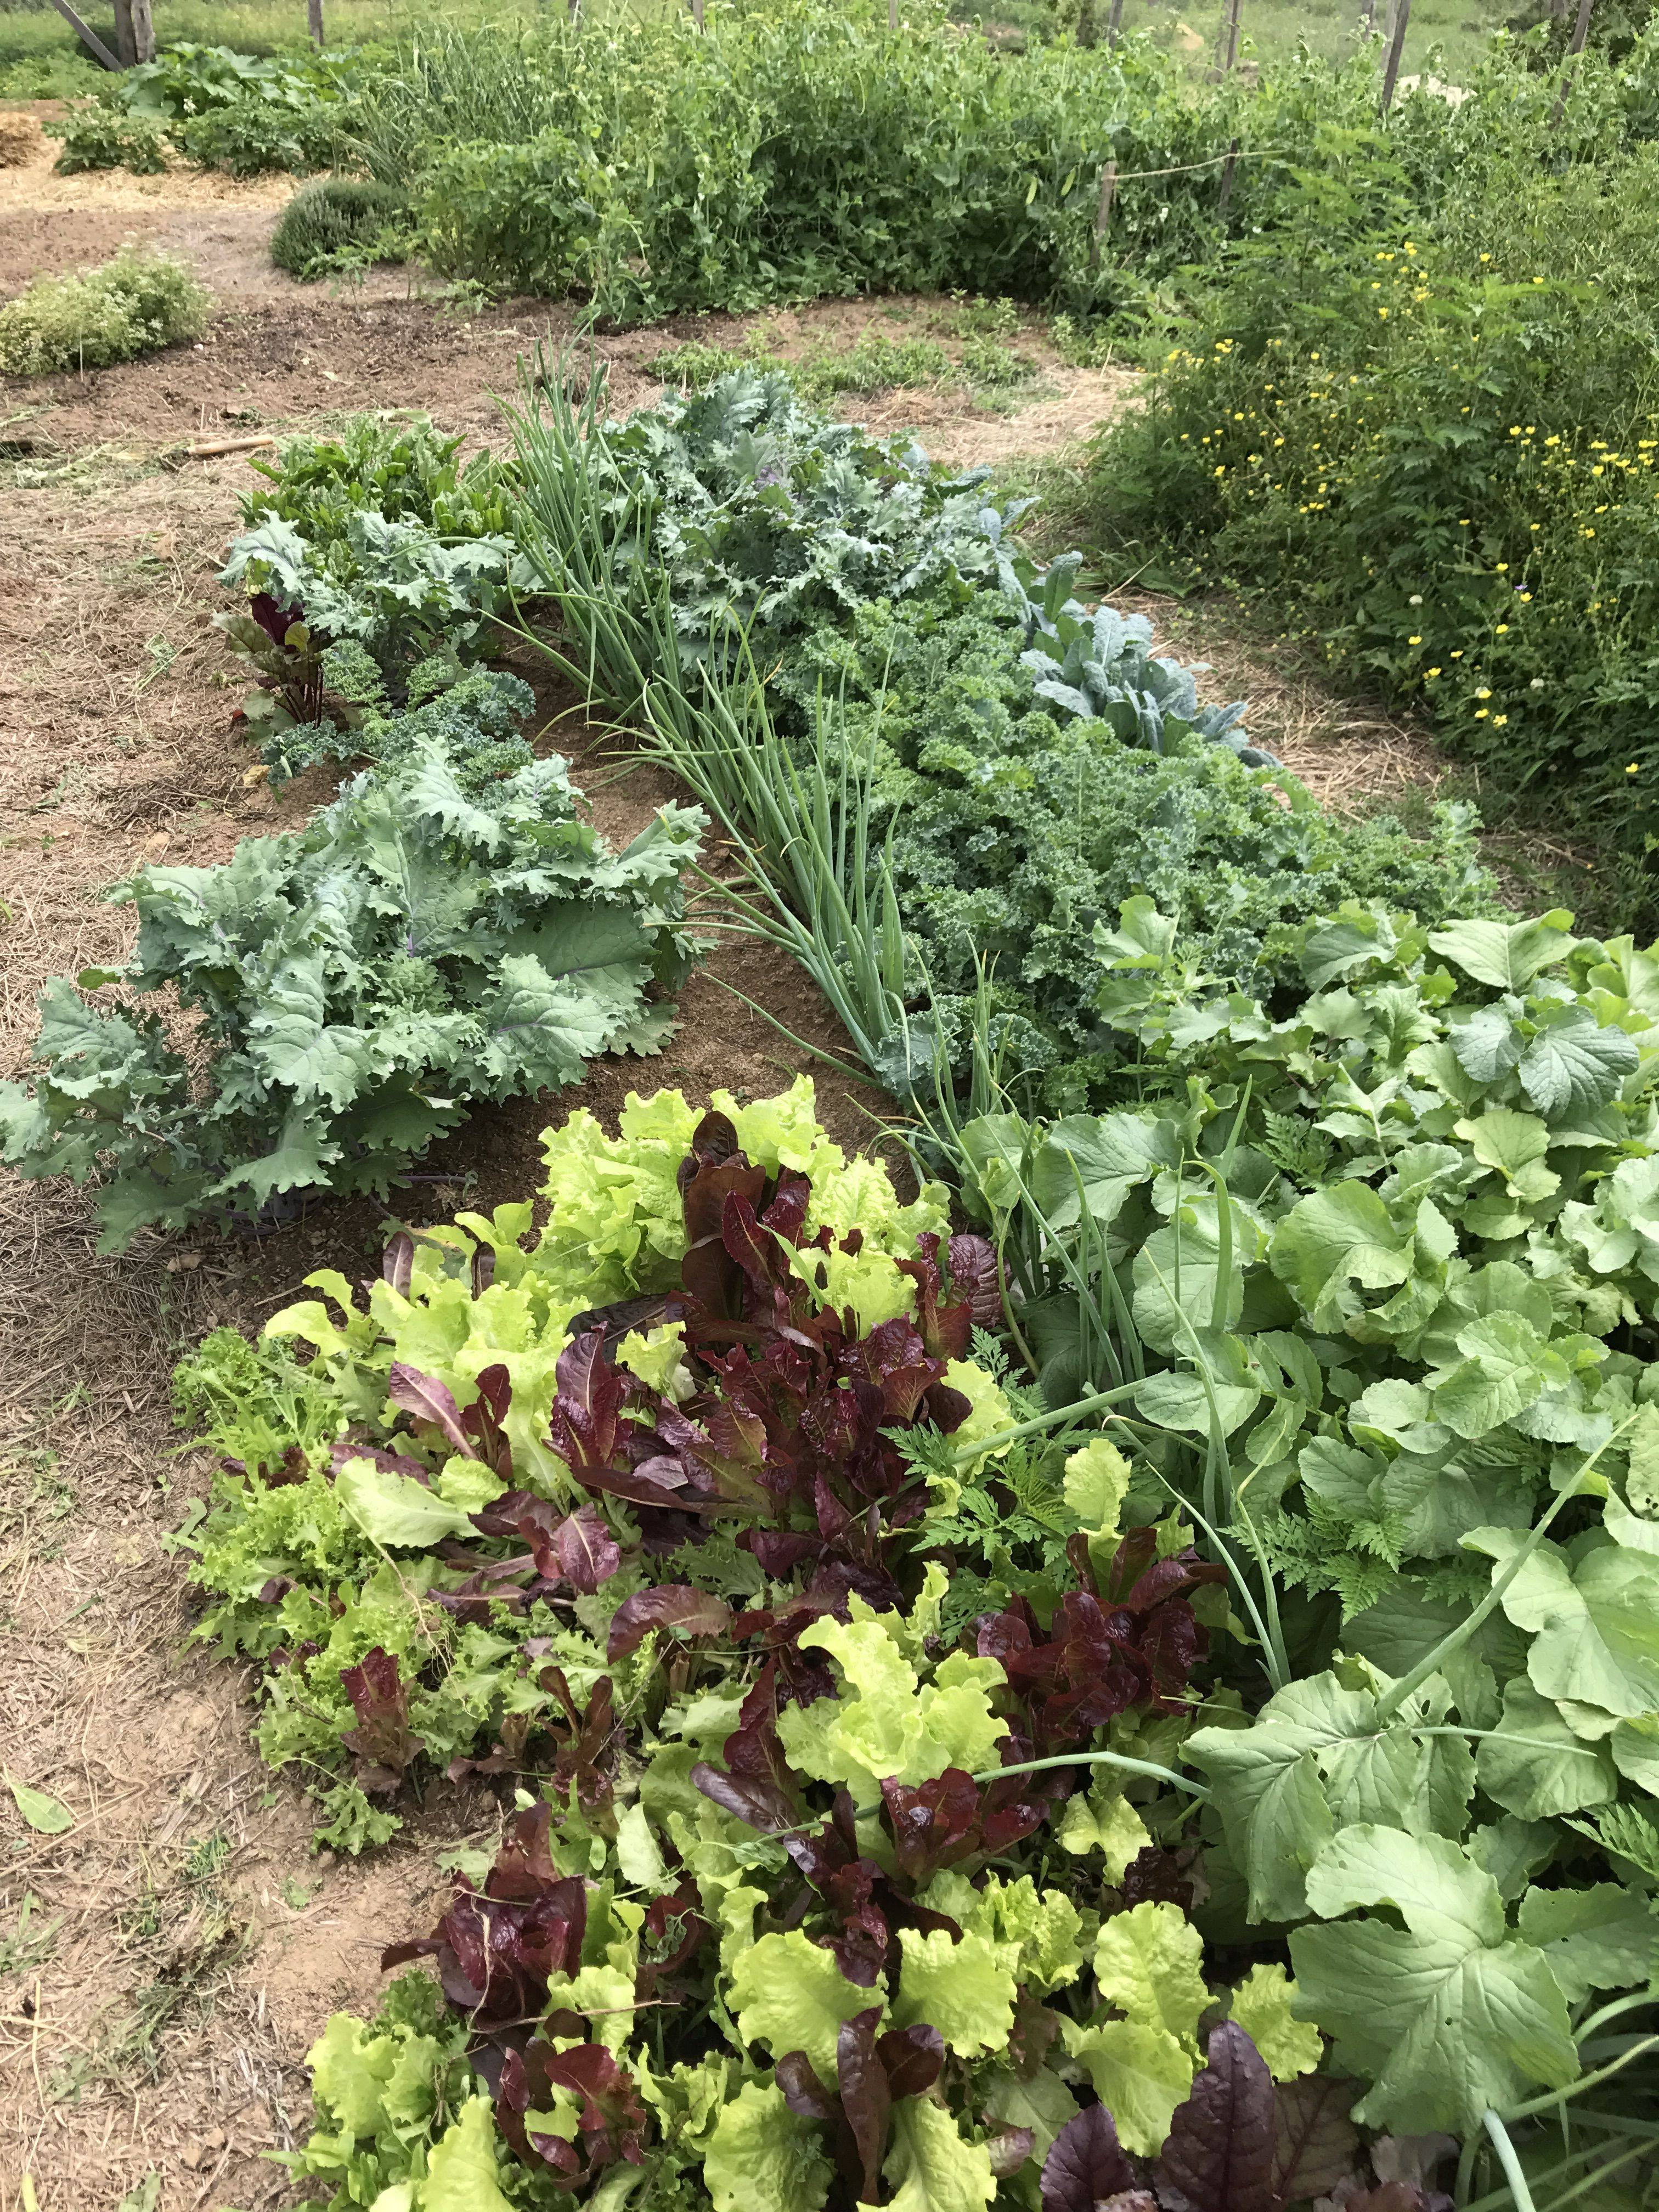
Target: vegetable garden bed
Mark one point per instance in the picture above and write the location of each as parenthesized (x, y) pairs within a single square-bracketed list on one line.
[(1118, 1667)]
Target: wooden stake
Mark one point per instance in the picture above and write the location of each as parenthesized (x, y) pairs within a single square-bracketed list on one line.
[(696, 13), (135, 33), (1103, 212), (1402, 16), (88, 38), (1114, 23), (314, 20), (1227, 178), (1576, 46), (1234, 8), (892, 15)]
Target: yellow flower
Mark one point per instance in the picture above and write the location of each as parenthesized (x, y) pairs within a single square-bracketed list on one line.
[(1498, 720), (1525, 598), (1485, 691), (1635, 768), (1499, 631), (1481, 712), (1413, 641), (1501, 568), (1431, 671)]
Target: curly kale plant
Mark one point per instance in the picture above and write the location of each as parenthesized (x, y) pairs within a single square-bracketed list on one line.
[(1017, 824), (420, 944), (475, 715)]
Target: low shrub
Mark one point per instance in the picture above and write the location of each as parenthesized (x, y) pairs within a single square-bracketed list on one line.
[(336, 223), (514, 217), (1439, 445), (253, 138), (133, 305), (99, 136)]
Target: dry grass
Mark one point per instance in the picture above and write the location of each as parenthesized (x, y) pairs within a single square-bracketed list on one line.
[(22, 141)]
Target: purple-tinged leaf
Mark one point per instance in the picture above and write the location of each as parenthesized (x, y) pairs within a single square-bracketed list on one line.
[(397, 1262), (1009, 2148), (1219, 2154), (976, 1277), (1085, 2163), (803, 2091), (1314, 2140), (384, 1743), (589, 1554), (914, 2059), (749, 1798), (670, 1605), (427, 1400), (865, 2099)]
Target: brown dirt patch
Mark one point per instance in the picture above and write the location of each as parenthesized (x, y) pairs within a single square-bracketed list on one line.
[(1352, 757)]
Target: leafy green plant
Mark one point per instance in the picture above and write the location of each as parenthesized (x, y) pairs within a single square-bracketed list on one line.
[(762, 518), (356, 984), (336, 223), (134, 304), (97, 136), (399, 465), (394, 588)]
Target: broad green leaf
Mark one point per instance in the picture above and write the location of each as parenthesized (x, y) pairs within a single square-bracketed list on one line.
[(1534, 1766), (1447, 2016), (1140, 2073), (1261, 2005), (1594, 1625), (1096, 1484), (1487, 1044), (48, 1816), (1513, 1145), (1574, 1064), (1178, 1400), (1104, 1157), (930, 2167), (964, 1987), (1642, 1443), (1043, 2104), (394, 1508), (1605, 1937), (1269, 1788), (762, 2158), (1506, 954), (1338, 1236), (788, 1992), (1504, 1367), (1149, 1962), (463, 2174), (1177, 1273), (1635, 1749), (1104, 1820)]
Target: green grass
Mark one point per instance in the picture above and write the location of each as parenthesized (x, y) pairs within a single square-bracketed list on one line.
[(40, 58)]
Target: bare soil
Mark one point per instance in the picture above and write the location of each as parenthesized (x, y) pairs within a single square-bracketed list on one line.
[(166, 1963)]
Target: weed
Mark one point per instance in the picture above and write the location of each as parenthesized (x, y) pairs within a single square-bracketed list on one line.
[(28, 1945)]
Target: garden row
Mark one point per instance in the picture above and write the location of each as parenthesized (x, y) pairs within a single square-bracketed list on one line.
[(1131, 1674)]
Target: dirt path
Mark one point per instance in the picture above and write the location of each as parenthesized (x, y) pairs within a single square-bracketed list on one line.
[(166, 1963)]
